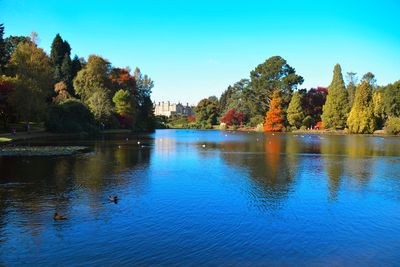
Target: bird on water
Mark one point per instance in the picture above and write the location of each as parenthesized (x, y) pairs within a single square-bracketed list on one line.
[(58, 217), (113, 199)]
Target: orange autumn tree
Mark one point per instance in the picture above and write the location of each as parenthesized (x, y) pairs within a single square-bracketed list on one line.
[(274, 118)]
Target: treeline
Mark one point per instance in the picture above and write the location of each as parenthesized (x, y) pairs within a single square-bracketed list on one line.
[(70, 94), (271, 101)]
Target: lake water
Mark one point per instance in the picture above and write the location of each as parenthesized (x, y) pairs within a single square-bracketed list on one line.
[(192, 197)]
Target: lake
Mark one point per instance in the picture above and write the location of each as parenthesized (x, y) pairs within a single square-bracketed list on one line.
[(191, 197)]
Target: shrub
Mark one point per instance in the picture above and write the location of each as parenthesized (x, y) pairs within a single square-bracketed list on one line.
[(232, 117), (256, 121), (70, 116), (392, 125), (222, 126), (308, 121)]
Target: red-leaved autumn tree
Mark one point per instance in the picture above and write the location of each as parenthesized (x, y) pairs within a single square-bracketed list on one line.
[(274, 118), (233, 118)]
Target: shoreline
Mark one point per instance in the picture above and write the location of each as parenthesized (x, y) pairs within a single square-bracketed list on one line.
[(321, 132)]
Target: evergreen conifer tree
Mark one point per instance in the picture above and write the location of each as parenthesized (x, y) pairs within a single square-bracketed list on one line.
[(295, 114), (361, 118), (336, 108)]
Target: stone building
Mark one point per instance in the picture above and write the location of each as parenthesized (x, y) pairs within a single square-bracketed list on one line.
[(168, 109)]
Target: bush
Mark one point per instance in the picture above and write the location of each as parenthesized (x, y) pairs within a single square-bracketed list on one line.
[(255, 121), (70, 116), (222, 126), (392, 125), (308, 121)]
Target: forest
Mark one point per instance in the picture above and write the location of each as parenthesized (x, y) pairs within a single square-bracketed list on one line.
[(69, 94), (271, 100)]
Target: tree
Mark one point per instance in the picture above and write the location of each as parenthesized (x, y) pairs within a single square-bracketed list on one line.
[(66, 73), (123, 102), (7, 85), (60, 58), (11, 44), (240, 97), (273, 118), (225, 97), (3, 56), (274, 74), (100, 105), (207, 112), (351, 87), (33, 80), (144, 85), (379, 107), (295, 113), (62, 93), (122, 79), (59, 50), (312, 102), (361, 118), (369, 77), (232, 117), (71, 116), (391, 99), (145, 120), (336, 108), (76, 66), (93, 77)]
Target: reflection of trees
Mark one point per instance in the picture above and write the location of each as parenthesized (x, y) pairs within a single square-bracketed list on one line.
[(361, 152), (332, 150), (352, 157), (271, 171), (34, 186)]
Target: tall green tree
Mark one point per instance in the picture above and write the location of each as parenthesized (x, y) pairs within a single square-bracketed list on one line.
[(241, 98), (59, 49), (336, 108), (3, 56), (144, 84), (379, 107), (66, 73), (361, 118), (123, 102), (225, 97), (34, 81), (11, 44), (351, 87), (295, 113), (60, 58), (93, 77), (274, 74), (100, 105), (391, 99), (207, 112)]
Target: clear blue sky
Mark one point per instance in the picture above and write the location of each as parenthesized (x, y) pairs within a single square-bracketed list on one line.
[(193, 49)]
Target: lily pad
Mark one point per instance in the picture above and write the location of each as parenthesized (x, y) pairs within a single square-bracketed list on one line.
[(41, 150)]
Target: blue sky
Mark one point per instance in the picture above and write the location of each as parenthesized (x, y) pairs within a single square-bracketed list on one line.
[(194, 49)]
